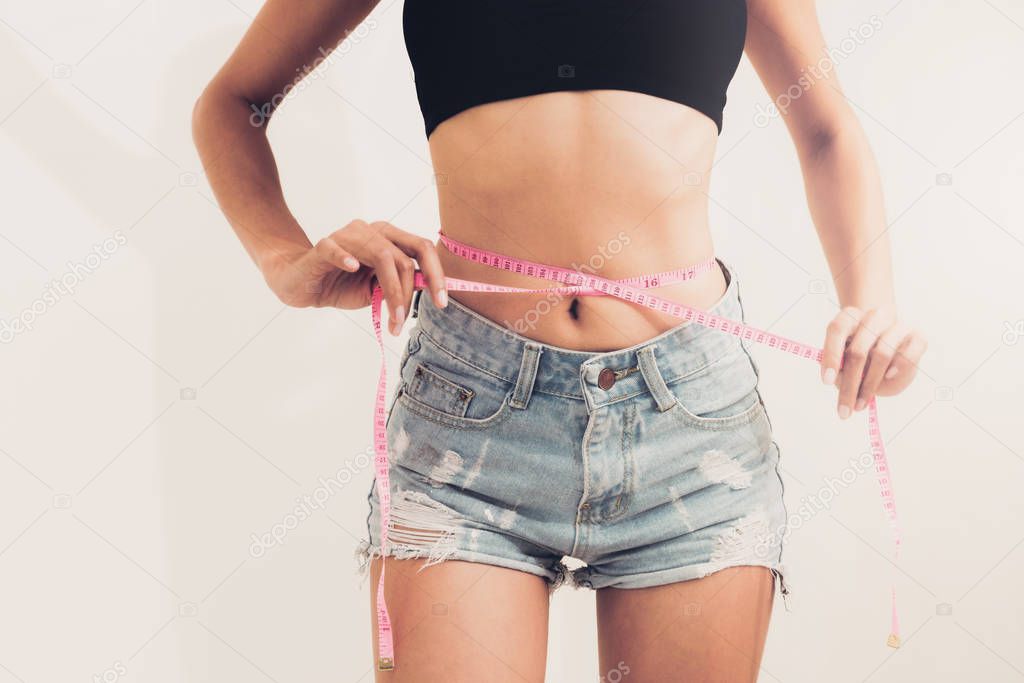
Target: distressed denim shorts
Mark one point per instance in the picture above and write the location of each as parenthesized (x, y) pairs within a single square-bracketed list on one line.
[(648, 465)]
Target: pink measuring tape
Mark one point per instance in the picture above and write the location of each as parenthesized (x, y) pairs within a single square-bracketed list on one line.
[(628, 289)]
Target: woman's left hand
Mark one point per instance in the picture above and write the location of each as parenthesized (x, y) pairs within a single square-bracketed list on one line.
[(868, 353)]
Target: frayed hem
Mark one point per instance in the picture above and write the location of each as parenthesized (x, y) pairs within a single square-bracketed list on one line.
[(586, 577), (366, 552), (783, 585), (562, 576)]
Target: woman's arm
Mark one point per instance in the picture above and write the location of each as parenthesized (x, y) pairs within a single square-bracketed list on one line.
[(229, 127), (878, 354)]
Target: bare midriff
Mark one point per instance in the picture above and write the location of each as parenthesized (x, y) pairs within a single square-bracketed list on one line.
[(609, 182)]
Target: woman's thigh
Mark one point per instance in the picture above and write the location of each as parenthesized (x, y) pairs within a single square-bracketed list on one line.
[(709, 629), (463, 622)]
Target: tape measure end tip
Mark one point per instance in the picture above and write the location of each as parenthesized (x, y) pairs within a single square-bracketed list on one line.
[(385, 664), (894, 641)]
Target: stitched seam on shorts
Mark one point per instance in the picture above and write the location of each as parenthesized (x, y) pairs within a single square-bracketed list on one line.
[(579, 397), (625, 448), (701, 369), (748, 416), (686, 570), (413, 405), (459, 358), (536, 389), (425, 375), (469, 555)]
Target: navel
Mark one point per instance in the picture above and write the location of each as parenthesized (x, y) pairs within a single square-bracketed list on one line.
[(574, 308)]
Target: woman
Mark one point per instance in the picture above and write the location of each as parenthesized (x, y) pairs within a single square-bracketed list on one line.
[(534, 426)]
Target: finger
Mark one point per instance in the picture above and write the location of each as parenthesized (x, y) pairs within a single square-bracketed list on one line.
[(392, 268), (357, 238), (908, 355), (425, 252), (380, 254), (836, 335), (879, 362), (329, 251), (406, 268), (854, 360)]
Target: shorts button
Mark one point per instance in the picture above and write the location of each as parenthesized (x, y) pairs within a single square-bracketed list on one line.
[(585, 506), (606, 378)]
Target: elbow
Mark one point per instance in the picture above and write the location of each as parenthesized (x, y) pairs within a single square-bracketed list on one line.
[(820, 140), (827, 141), (200, 114), (214, 112), (823, 139), (821, 134), (217, 104)]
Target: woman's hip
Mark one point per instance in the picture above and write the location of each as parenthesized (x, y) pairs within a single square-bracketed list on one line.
[(499, 427)]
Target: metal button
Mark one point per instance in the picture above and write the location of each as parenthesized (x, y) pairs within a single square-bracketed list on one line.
[(606, 378), (585, 506)]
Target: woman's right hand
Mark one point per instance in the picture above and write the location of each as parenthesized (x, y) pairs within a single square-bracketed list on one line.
[(341, 269)]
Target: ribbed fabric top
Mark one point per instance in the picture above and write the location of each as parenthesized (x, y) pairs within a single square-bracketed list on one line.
[(470, 52)]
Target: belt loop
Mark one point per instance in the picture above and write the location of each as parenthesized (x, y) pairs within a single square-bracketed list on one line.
[(415, 303), (527, 374), (652, 375), (743, 319)]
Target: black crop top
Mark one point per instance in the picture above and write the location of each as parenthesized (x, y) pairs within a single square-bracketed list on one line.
[(469, 52)]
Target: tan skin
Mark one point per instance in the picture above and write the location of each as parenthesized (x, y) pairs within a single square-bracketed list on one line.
[(553, 178)]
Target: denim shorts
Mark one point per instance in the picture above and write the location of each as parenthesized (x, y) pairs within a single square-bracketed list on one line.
[(647, 465)]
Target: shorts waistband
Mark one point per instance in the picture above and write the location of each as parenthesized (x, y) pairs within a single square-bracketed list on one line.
[(647, 366)]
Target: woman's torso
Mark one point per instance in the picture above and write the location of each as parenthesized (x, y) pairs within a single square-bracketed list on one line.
[(610, 181)]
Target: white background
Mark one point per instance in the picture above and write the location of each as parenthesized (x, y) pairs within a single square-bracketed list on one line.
[(127, 507)]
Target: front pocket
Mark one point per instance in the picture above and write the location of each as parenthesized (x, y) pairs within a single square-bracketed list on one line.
[(433, 389), (452, 393), (721, 395), (745, 410)]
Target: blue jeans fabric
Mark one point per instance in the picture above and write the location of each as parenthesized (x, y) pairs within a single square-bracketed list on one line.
[(511, 452)]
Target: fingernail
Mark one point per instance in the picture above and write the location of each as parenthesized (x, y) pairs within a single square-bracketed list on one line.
[(351, 263), (398, 320), (860, 404), (829, 376), (844, 412), (891, 372), (442, 296)]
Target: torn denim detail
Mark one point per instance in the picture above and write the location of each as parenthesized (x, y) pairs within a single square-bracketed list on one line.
[(719, 467), (446, 469), (784, 585), (562, 574), (742, 539), (365, 552), (419, 527)]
